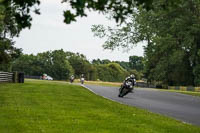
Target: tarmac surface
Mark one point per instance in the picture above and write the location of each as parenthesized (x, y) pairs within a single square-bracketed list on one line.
[(182, 107)]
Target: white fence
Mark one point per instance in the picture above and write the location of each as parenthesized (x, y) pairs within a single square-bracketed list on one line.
[(6, 77)]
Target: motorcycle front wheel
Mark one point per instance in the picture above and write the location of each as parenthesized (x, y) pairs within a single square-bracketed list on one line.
[(122, 92)]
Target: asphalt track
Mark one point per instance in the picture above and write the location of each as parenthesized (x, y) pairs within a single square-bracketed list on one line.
[(179, 106)]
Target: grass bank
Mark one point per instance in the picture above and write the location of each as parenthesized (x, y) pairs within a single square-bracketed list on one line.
[(58, 107)]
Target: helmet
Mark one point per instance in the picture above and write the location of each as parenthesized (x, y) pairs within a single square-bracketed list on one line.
[(132, 76)]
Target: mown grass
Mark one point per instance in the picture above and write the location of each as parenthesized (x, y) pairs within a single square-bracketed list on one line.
[(54, 107), (101, 83)]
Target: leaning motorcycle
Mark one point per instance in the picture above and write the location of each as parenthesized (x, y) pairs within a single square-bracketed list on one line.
[(125, 88)]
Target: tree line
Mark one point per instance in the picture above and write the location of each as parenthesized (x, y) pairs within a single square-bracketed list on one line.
[(16, 15), (62, 64)]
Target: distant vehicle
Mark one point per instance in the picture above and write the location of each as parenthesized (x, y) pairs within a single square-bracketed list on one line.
[(49, 78), (46, 77), (72, 79), (82, 79)]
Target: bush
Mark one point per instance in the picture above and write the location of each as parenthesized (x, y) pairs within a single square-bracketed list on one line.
[(112, 72)]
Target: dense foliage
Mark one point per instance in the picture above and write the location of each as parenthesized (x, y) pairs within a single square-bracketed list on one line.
[(53, 63), (61, 65), (111, 72), (119, 9)]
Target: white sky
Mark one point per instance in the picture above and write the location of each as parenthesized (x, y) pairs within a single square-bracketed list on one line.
[(48, 32)]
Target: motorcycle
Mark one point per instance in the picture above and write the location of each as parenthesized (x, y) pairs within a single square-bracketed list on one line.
[(71, 80), (125, 88), (82, 80)]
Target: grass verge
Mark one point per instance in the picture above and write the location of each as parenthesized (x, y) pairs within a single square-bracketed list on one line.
[(101, 83), (187, 92), (54, 107)]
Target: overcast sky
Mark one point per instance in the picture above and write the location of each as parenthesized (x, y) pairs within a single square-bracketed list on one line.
[(48, 32)]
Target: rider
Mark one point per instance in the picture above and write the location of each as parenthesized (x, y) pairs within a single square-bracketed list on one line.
[(132, 79), (72, 78), (82, 78)]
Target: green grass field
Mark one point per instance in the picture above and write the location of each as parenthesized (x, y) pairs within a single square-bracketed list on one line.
[(102, 83), (58, 107)]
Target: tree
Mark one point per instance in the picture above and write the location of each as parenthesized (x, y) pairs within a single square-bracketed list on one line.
[(136, 62), (93, 73), (80, 64), (53, 63), (111, 72), (61, 68), (17, 15), (98, 61), (29, 64), (8, 53), (119, 9), (124, 64), (171, 33), (174, 47), (138, 75), (14, 16)]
